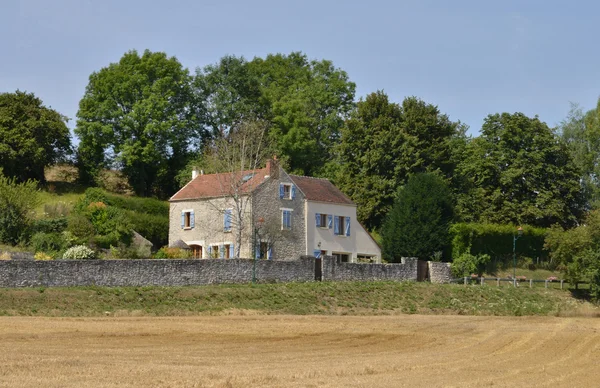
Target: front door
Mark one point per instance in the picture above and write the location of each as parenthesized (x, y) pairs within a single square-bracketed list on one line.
[(196, 251)]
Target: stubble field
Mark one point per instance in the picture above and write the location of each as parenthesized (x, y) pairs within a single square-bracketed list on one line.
[(299, 351)]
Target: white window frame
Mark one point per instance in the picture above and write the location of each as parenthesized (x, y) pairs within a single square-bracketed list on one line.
[(287, 186)]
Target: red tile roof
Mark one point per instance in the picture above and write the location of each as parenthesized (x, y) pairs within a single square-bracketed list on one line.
[(222, 184), (319, 189)]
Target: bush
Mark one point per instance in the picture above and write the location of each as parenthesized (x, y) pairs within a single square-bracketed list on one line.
[(172, 253), (417, 225), (47, 242), (467, 264), (79, 252), (50, 225), (80, 227), (17, 202), (152, 227), (126, 252), (41, 256)]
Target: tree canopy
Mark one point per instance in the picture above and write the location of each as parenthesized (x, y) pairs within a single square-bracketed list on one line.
[(518, 171), (382, 144), (139, 114), (32, 136)]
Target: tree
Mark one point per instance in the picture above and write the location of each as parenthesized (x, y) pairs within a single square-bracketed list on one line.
[(17, 202), (141, 115), (519, 172), (383, 144), (304, 102), (581, 133), (235, 156), (418, 224), (32, 136)]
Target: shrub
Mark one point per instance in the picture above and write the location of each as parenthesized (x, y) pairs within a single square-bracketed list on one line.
[(47, 242), (79, 252), (17, 202), (41, 256), (50, 225), (152, 227), (122, 251), (172, 253), (467, 264), (80, 227)]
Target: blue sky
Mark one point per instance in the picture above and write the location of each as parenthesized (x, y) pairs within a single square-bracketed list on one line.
[(470, 58)]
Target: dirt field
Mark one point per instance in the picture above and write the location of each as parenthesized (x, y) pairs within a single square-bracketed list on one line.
[(299, 351)]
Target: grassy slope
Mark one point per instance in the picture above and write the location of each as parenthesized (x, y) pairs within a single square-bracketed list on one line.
[(354, 298)]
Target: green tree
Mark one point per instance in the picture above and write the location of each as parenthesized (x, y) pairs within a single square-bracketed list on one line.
[(519, 172), (32, 136), (139, 114), (303, 101), (418, 224), (17, 202), (581, 132), (383, 144)]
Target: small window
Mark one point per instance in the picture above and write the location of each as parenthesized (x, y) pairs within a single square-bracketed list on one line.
[(214, 251), (287, 191), (228, 251), (286, 219), (263, 250), (196, 251), (321, 220), (187, 219), (341, 257)]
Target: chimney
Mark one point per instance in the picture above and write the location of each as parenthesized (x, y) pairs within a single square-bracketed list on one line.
[(194, 173)]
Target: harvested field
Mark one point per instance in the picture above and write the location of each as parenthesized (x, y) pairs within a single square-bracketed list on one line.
[(245, 350)]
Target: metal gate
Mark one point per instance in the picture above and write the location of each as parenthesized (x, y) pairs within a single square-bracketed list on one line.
[(318, 269), (422, 271)]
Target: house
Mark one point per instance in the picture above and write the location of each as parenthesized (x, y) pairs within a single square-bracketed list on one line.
[(277, 216)]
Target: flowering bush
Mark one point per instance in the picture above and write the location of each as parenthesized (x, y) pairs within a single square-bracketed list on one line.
[(41, 256), (79, 252)]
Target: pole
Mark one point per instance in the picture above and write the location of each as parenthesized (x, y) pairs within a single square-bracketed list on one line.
[(514, 260), (254, 261)]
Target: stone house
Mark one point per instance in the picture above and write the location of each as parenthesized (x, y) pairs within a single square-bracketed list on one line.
[(283, 216)]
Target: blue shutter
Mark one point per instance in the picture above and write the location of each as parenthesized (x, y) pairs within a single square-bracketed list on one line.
[(347, 226), (336, 225), (227, 221), (289, 219), (257, 250), (270, 253), (209, 251), (221, 251), (318, 219), (192, 219), (182, 220), (281, 191), (231, 251), (329, 220), (293, 191), (317, 253)]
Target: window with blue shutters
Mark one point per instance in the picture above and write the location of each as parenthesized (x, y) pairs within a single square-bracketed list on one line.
[(347, 226), (187, 219), (227, 220), (336, 225), (318, 219), (287, 191), (321, 220), (286, 219), (222, 251), (329, 221)]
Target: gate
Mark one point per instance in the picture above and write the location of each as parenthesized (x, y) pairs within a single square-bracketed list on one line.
[(318, 269), (422, 271)]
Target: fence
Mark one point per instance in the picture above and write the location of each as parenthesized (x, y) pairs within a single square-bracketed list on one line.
[(515, 282)]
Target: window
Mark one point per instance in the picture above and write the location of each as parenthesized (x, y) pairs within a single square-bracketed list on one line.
[(287, 191), (213, 251), (286, 219), (262, 250), (227, 220), (341, 257), (229, 252), (342, 226), (187, 219), (196, 251), (323, 220)]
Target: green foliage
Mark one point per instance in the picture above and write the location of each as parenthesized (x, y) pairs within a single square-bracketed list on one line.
[(466, 264), (303, 101), (518, 172), (496, 241), (17, 202), (143, 110), (417, 225), (172, 253), (382, 144), (79, 252), (50, 225), (80, 227), (153, 227), (47, 242), (125, 252), (32, 136)]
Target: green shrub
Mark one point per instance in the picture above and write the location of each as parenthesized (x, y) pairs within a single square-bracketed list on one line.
[(17, 202), (122, 251), (50, 225), (152, 227), (80, 227), (172, 253), (467, 264), (79, 252), (47, 242)]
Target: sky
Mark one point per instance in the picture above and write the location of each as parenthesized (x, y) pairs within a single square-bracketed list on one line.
[(470, 58)]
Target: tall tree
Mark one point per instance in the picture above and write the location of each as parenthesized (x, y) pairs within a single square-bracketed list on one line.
[(383, 144), (32, 136), (418, 224), (304, 101), (518, 171), (141, 115), (581, 133)]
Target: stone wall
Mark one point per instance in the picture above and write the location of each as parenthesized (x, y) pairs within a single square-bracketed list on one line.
[(334, 271), (118, 273), (439, 272)]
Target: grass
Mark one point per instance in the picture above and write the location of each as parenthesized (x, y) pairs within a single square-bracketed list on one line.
[(327, 298)]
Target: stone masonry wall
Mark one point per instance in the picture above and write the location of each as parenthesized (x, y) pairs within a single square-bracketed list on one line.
[(119, 273), (334, 271), (439, 272)]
